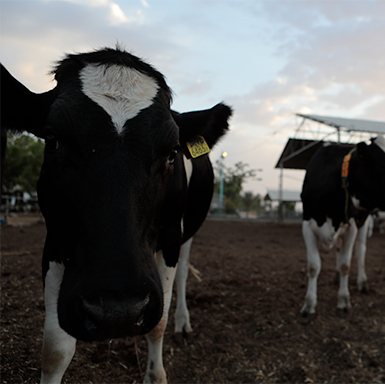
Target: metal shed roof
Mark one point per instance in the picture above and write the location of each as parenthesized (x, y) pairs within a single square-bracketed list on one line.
[(298, 152), (274, 195), (349, 125)]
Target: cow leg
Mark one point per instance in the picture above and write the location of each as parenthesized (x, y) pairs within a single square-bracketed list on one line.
[(370, 220), (360, 254), (58, 346), (313, 268), (182, 316), (155, 372), (381, 226), (343, 265)]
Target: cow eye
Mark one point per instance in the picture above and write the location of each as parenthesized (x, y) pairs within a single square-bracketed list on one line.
[(172, 156), (51, 143)]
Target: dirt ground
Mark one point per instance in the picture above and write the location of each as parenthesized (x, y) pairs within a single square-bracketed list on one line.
[(244, 312)]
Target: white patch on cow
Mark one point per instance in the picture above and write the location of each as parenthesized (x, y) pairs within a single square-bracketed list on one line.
[(155, 372), (53, 280), (344, 256), (121, 91), (188, 167), (363, 234), (182, 315), (313, 266), (356, 203), (58, 346), (380, 141), (326, 234), (189, 170)]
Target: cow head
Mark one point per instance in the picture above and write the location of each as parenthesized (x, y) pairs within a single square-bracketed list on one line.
[(368, 184), (112, 164)]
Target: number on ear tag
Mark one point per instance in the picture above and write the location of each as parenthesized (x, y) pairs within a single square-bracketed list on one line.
[(198, 147)]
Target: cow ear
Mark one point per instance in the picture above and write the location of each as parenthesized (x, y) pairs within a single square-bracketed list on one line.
[(212, 124), (21, 109), (362, 151)]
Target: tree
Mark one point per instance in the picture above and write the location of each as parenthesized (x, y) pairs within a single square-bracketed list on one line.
[(247, 201), (24, 158), (250, 202), (289, 206), (233, 178)]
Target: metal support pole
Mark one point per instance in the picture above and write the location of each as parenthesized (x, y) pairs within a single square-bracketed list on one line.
[(221, 187), (6, 211), (280, 207), (221, 210)]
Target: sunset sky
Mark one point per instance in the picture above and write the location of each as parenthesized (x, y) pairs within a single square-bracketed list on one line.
[(267, 59)]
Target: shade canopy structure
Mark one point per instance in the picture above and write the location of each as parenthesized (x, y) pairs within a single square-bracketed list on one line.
[(348, 125), (298, 151), (287, 195)]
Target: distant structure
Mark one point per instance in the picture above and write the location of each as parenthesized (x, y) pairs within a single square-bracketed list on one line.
[(287, 196), (312, 134), (274, 196)]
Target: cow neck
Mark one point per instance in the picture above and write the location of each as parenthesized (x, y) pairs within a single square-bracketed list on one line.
[(344, 178)]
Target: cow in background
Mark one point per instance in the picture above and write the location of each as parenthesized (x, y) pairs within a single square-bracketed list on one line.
[(342, 187), (377, 219), (118, 158)]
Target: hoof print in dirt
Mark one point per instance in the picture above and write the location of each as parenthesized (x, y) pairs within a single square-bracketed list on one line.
[(181, 338), (306, 318), (343, 312), (363, 288)]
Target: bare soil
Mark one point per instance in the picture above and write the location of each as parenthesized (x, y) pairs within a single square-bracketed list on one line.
[(244, 312)]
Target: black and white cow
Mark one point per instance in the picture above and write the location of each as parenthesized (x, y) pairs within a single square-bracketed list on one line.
[(341, 187), (115, 159)]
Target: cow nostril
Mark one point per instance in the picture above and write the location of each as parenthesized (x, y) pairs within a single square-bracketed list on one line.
[(140, 321), (146, 301), (94, 310), (115, 313), (90, 326)]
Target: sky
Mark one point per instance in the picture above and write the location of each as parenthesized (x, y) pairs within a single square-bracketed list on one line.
[(268, 59)]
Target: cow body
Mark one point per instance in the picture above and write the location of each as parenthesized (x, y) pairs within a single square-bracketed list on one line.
[(335, 211), (117, 193)]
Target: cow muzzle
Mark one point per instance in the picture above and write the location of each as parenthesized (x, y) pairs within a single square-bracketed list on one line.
[(111, 315)]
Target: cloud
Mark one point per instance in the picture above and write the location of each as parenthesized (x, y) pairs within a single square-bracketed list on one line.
[(334, 63), (345, 49), (268, 59), (117, 16), (42, 31)]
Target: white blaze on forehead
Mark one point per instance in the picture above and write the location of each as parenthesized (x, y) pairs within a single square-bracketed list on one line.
[(380, 141), (121, 91)]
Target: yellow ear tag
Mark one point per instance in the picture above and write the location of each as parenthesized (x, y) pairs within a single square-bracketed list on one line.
[(198, 147)]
